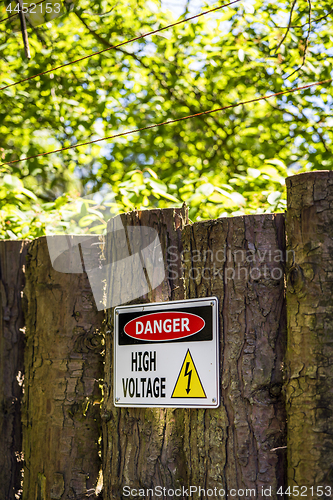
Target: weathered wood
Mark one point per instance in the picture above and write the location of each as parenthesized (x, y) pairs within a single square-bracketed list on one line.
[(241, 444), (63, 365), (12, 262), (142, 447), (309, 386)]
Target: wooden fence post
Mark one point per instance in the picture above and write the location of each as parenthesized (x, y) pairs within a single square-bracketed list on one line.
[(142, 446), (12, 262), (63, 364), (309, 386), (241, 445)]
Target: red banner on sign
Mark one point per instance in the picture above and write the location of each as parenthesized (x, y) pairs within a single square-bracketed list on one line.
[(161, 326)]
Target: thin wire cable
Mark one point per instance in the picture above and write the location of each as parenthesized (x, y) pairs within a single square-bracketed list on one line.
[(16, 13), (120, 44), (170, 121)]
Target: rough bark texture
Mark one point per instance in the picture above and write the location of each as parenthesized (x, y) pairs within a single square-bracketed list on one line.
[(143, 447), (309, 387), (233, 446), (63, 369), (241, 444), (12, 262)]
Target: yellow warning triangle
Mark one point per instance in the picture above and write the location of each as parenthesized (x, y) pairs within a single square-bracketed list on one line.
[(188, 384)]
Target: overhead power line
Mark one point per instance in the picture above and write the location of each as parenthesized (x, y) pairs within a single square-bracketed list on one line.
[(119, 44), (171, 121)]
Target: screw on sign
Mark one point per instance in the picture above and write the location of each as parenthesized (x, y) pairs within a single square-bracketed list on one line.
[(166, 355)]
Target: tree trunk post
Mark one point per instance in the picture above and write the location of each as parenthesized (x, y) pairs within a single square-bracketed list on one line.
[(63, 364), (241, 445), (12, 263), (309, 374), (142, 446)]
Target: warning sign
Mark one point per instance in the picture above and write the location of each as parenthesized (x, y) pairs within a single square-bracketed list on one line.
[(166, 354), (188, 384)]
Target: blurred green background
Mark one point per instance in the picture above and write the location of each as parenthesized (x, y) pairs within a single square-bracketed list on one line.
[(228, 163)]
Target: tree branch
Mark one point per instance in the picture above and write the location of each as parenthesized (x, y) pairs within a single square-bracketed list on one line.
[(92, 32), (320, 135), (306, 41), (289, 26), (302, 25), (172, 94), (282, 110)]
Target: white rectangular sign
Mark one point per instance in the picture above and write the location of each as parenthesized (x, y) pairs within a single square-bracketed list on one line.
[(166, 354)]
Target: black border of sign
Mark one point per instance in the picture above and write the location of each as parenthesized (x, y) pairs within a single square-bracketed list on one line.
[(177, 304)]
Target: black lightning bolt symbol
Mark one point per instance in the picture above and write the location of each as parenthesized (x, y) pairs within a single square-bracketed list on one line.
[(189, 375)]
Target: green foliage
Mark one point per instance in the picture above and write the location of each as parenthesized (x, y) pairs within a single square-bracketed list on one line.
[(227, 163)]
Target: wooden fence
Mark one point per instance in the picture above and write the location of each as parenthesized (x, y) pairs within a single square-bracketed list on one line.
[(61, 437)]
